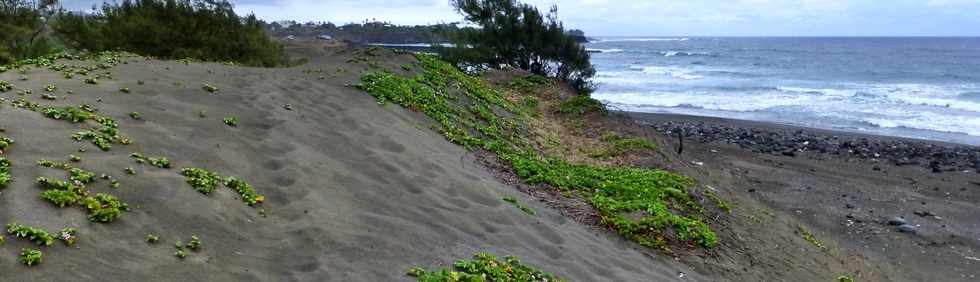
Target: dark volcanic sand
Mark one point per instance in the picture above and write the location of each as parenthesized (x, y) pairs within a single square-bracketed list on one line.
[(837, 188)]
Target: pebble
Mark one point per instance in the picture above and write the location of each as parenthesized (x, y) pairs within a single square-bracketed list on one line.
[(897, 221)]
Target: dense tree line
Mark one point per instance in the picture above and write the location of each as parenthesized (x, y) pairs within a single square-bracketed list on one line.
[(518, 35), (366, 32), (23, 32), (201, 29)]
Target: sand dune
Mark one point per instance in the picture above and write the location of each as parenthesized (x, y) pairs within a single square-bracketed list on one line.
[(354, 191)]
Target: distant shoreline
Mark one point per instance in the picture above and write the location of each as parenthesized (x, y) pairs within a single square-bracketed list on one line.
[(769, 125)]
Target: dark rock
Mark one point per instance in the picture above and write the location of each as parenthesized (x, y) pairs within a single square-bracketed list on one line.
[(849, 206), (923, 213), (897, 221), (908, 228)]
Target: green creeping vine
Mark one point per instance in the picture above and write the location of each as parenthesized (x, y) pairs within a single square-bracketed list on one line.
[(160, 162), (231, 121), (31, 257), (640, 204), (37, 235), (620, 145), (102, 137), (68, 235), (5, 86), (5, 176), (4, 172), (104, 208), (202, 180), (485, 267), (206, 181), (245, 190), (513, 201)]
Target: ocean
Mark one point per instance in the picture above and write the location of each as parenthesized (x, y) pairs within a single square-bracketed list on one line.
[(921, 87)]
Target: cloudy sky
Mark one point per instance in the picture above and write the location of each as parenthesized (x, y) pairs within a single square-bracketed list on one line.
[(664, 17)]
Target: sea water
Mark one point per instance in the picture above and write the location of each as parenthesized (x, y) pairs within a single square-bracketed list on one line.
[(923, 87)]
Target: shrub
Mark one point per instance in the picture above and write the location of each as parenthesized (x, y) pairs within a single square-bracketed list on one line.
[(201, 29)]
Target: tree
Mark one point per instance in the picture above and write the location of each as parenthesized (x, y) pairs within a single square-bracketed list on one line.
[(518, 35)]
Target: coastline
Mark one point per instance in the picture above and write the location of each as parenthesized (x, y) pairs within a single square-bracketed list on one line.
[(845, 202), (744, 123), (797, 141)]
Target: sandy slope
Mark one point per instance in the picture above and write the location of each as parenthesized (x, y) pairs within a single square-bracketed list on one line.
[(355, 192)]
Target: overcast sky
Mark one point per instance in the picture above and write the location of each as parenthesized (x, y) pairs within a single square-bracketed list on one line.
[(664, 17)]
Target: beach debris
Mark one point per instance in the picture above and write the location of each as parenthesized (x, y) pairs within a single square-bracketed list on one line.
[(288, 107), (697, 163), (897, 221), (972, 258), (908, 228)]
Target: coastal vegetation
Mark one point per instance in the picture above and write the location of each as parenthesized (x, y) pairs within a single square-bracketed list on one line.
[(645, 205), (175, 29), (486, 267)]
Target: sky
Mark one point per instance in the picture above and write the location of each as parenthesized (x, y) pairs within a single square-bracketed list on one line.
[(663, 17)]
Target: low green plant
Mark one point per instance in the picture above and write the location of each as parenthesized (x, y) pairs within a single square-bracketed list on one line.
[(581, 105), (31, 257), (104, 208), (74, 158), (130, 170), (68, 235), (244, 189), (5, 86), (485, 267), (194, 244), (160, 162), (124, 90), (845, 278), (231, 121), (513, 201), (619, 145), (50, 88), (209, 88), (81, 175), (643, 205), (180, 253), (4, 143), (202, 180), (91, 80), (810, 238), (5, 176), (135, 115), (152, 238), (37, 235)]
